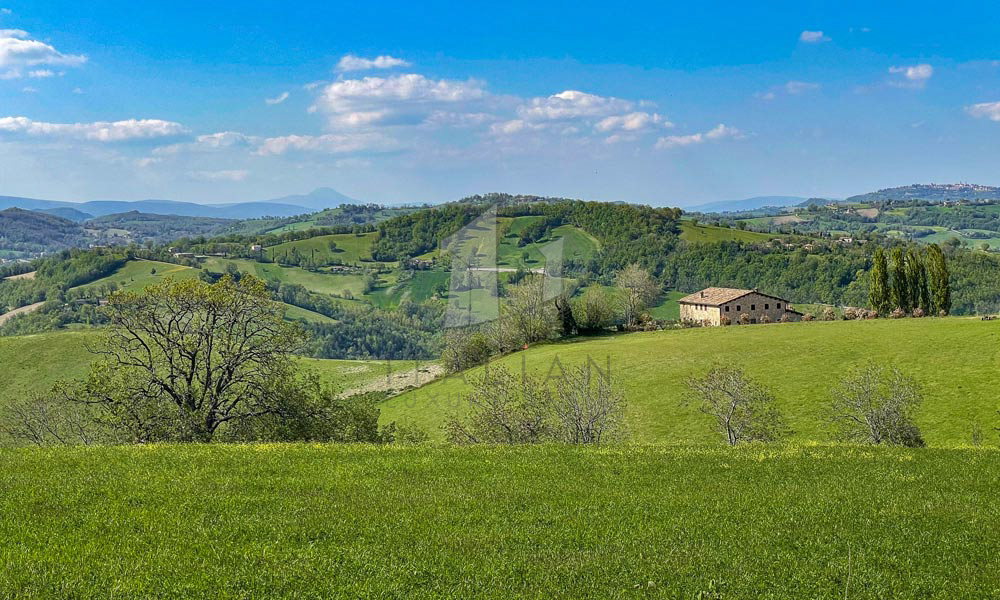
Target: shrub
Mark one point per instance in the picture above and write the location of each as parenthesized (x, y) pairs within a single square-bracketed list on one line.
[(465, 348), (897, 313), (807, 317), (918, 312), (765, 319), (851, 313), (829, 314), (744, 319), (876, 406), (786, 318), (743, 410), (725, 320)]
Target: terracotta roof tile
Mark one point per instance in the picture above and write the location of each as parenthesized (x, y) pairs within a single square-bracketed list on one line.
[(714, 296)]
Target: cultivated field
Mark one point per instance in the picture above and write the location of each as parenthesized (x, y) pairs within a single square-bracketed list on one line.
[(320, 521)]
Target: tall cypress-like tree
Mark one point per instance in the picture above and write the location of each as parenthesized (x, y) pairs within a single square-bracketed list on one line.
[(900, 284), (939, 280), (916, 280), (878, 283)]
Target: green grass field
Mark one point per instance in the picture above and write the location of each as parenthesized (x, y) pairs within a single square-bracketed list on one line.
[(668, 309), (710, 233), (322, 521), (351, 248), (955, 359), (33, 363), (139, 274)]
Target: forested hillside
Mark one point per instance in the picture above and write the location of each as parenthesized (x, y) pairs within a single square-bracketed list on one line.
[(25, 232)]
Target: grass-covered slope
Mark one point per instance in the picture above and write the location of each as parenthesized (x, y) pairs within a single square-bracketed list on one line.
[(313, 521), (350, 248), (955, 359), (690, 232), (33, 363)]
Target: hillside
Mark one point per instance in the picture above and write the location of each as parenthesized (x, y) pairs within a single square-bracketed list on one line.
[(33, 363), (935, 192), (25, 232), (800, 362)]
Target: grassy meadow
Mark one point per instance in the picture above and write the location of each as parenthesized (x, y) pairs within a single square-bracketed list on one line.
[(351, 248), (955, 359), (320, 521), (710, 233), (33, 363)]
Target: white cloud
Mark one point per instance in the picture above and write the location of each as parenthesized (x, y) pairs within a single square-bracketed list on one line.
[(350, 62), (916, 76), (40, 73), (396, 100), (813, 37), (719, 132), (513, 126), (634, 121), (101, 131), (572, 104), (29, 90), (277, 99), (5, 11), (210, 142), (226, 175), (328, 143), (985, 110), (19, 52)]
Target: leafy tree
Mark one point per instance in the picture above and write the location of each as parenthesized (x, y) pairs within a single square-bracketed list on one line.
[(878, 284), (530, 317), (594, 310), (184, 359), (939, 280), (743, 410), (876, 406), (900, 284), (638, 290), (916, 277)]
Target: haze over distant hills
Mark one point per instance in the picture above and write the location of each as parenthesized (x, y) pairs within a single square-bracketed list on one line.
[(747, 204), (287, 206)]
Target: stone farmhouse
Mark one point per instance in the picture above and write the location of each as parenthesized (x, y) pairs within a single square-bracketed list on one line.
[(715, 306)]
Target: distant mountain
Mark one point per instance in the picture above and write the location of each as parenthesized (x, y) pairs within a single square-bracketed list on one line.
[(746, 204), (68, 213), (318, 199), (932, 192), (99, 208), (27, 232)]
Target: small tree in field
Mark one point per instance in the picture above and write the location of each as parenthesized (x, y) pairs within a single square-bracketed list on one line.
[(876, 406), (743, 410), (638, 290)]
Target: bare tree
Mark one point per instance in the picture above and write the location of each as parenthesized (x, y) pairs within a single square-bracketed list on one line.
[(526, 312), (743, 410), (588, 408), (876, 406), (504, 410), (638, 288), (48, 419)]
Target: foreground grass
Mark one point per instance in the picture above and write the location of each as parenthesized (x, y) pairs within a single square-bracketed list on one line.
[(955, 360), (323, 521)]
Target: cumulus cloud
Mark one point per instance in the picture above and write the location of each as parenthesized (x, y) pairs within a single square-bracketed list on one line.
[(350, 62), (719, 132), (225, 175), (18, 53), (985, 110), (792, 88), (633, 121), (915, 76), (210, 142), (101, 131), (277, 99), (813, 37), (572, 104), (328, 143), (396, 100)]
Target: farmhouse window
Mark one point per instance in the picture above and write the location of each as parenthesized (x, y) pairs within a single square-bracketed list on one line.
[(753, 307), (778, 305), (737, 308), (766, 306), (727, 308)]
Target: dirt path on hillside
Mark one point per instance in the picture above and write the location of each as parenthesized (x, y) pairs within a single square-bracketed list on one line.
[(397, 381), (20, 311)]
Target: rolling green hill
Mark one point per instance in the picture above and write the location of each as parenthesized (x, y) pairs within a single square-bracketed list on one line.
[(710, 233), (350, 248), (33, 363), (800, 362)]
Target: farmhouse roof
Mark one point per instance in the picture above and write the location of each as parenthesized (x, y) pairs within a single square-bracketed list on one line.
[(714, 296), (717, 296)]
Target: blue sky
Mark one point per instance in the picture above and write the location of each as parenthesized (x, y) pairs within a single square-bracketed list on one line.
[(414, 102)]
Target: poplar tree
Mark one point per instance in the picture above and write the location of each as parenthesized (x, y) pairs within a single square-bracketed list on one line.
[(900, 284), (878, 283), (916, 279), (938, 280)]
